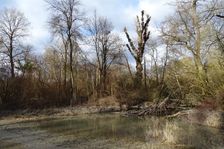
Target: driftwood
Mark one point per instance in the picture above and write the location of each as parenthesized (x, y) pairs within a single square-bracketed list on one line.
[(166, 107)]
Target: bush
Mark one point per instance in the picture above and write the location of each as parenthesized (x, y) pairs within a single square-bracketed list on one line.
[(128, 94), (26, 92)]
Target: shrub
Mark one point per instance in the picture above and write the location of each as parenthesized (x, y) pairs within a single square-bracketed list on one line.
[(128, 94)]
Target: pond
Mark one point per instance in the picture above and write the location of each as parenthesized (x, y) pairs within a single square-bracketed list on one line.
[(109, 131)]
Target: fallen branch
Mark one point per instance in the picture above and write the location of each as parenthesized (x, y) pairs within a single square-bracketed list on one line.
[(166, 107)]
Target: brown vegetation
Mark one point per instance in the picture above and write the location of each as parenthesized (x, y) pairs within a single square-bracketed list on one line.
[(190, 70)]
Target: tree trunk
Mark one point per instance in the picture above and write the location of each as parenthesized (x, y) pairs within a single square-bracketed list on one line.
[(139, 74), (145, 74), (72, 88), (65, 68), (164, 67), (11, 58), (201, 73), (104, 88), (129, 68)]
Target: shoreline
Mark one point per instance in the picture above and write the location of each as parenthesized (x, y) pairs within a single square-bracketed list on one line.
[(38, 114), (210, 118)]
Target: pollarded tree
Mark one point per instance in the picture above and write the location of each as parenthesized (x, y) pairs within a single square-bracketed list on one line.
[(13, 27), (138, 51)]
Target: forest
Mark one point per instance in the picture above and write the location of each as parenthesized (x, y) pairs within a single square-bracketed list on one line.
[(88, 60)]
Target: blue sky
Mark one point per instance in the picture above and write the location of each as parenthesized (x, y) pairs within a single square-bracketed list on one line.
[(121, 12)]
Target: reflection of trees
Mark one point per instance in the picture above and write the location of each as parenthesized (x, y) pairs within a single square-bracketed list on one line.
[(177, 133), (159, 132)]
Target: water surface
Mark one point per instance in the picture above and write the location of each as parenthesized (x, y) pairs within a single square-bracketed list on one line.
[(108, 131)]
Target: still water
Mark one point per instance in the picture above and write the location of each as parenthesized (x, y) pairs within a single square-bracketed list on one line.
[(108, 131)]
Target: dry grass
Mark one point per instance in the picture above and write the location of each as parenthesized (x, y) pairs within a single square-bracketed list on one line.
[(163, 132), (170, 133), (106, 102), (213, 119)]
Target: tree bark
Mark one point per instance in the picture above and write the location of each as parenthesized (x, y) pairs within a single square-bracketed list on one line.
[(72, 88), (11, 58), (65, 67), (139, 74)]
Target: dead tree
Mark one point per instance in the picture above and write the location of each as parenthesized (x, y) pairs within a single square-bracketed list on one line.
[(138, 52)]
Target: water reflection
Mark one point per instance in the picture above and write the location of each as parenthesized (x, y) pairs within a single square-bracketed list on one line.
[(115, 131), (180, 134)]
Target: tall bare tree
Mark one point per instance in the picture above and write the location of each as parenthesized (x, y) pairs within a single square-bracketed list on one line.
[(186, 31), (66, 20), (107, 47), (13, 27), (215, 12), (137, 52)]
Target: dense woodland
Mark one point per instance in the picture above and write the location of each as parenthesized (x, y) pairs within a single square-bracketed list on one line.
[(87, 60)]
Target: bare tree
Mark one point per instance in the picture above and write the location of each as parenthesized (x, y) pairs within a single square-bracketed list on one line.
[(220, 16), (13, 27), (215, 10), (152, 50), (184, 32), (52, 59), (138, 52), (106, 46), (25, 62), (66, 20)]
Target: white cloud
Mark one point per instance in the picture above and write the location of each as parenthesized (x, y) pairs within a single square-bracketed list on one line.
[(157, 9), (121, 13), (37, 14)]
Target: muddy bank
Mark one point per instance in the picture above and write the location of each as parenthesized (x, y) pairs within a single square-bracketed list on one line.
[(211, 118), (30, 114)]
